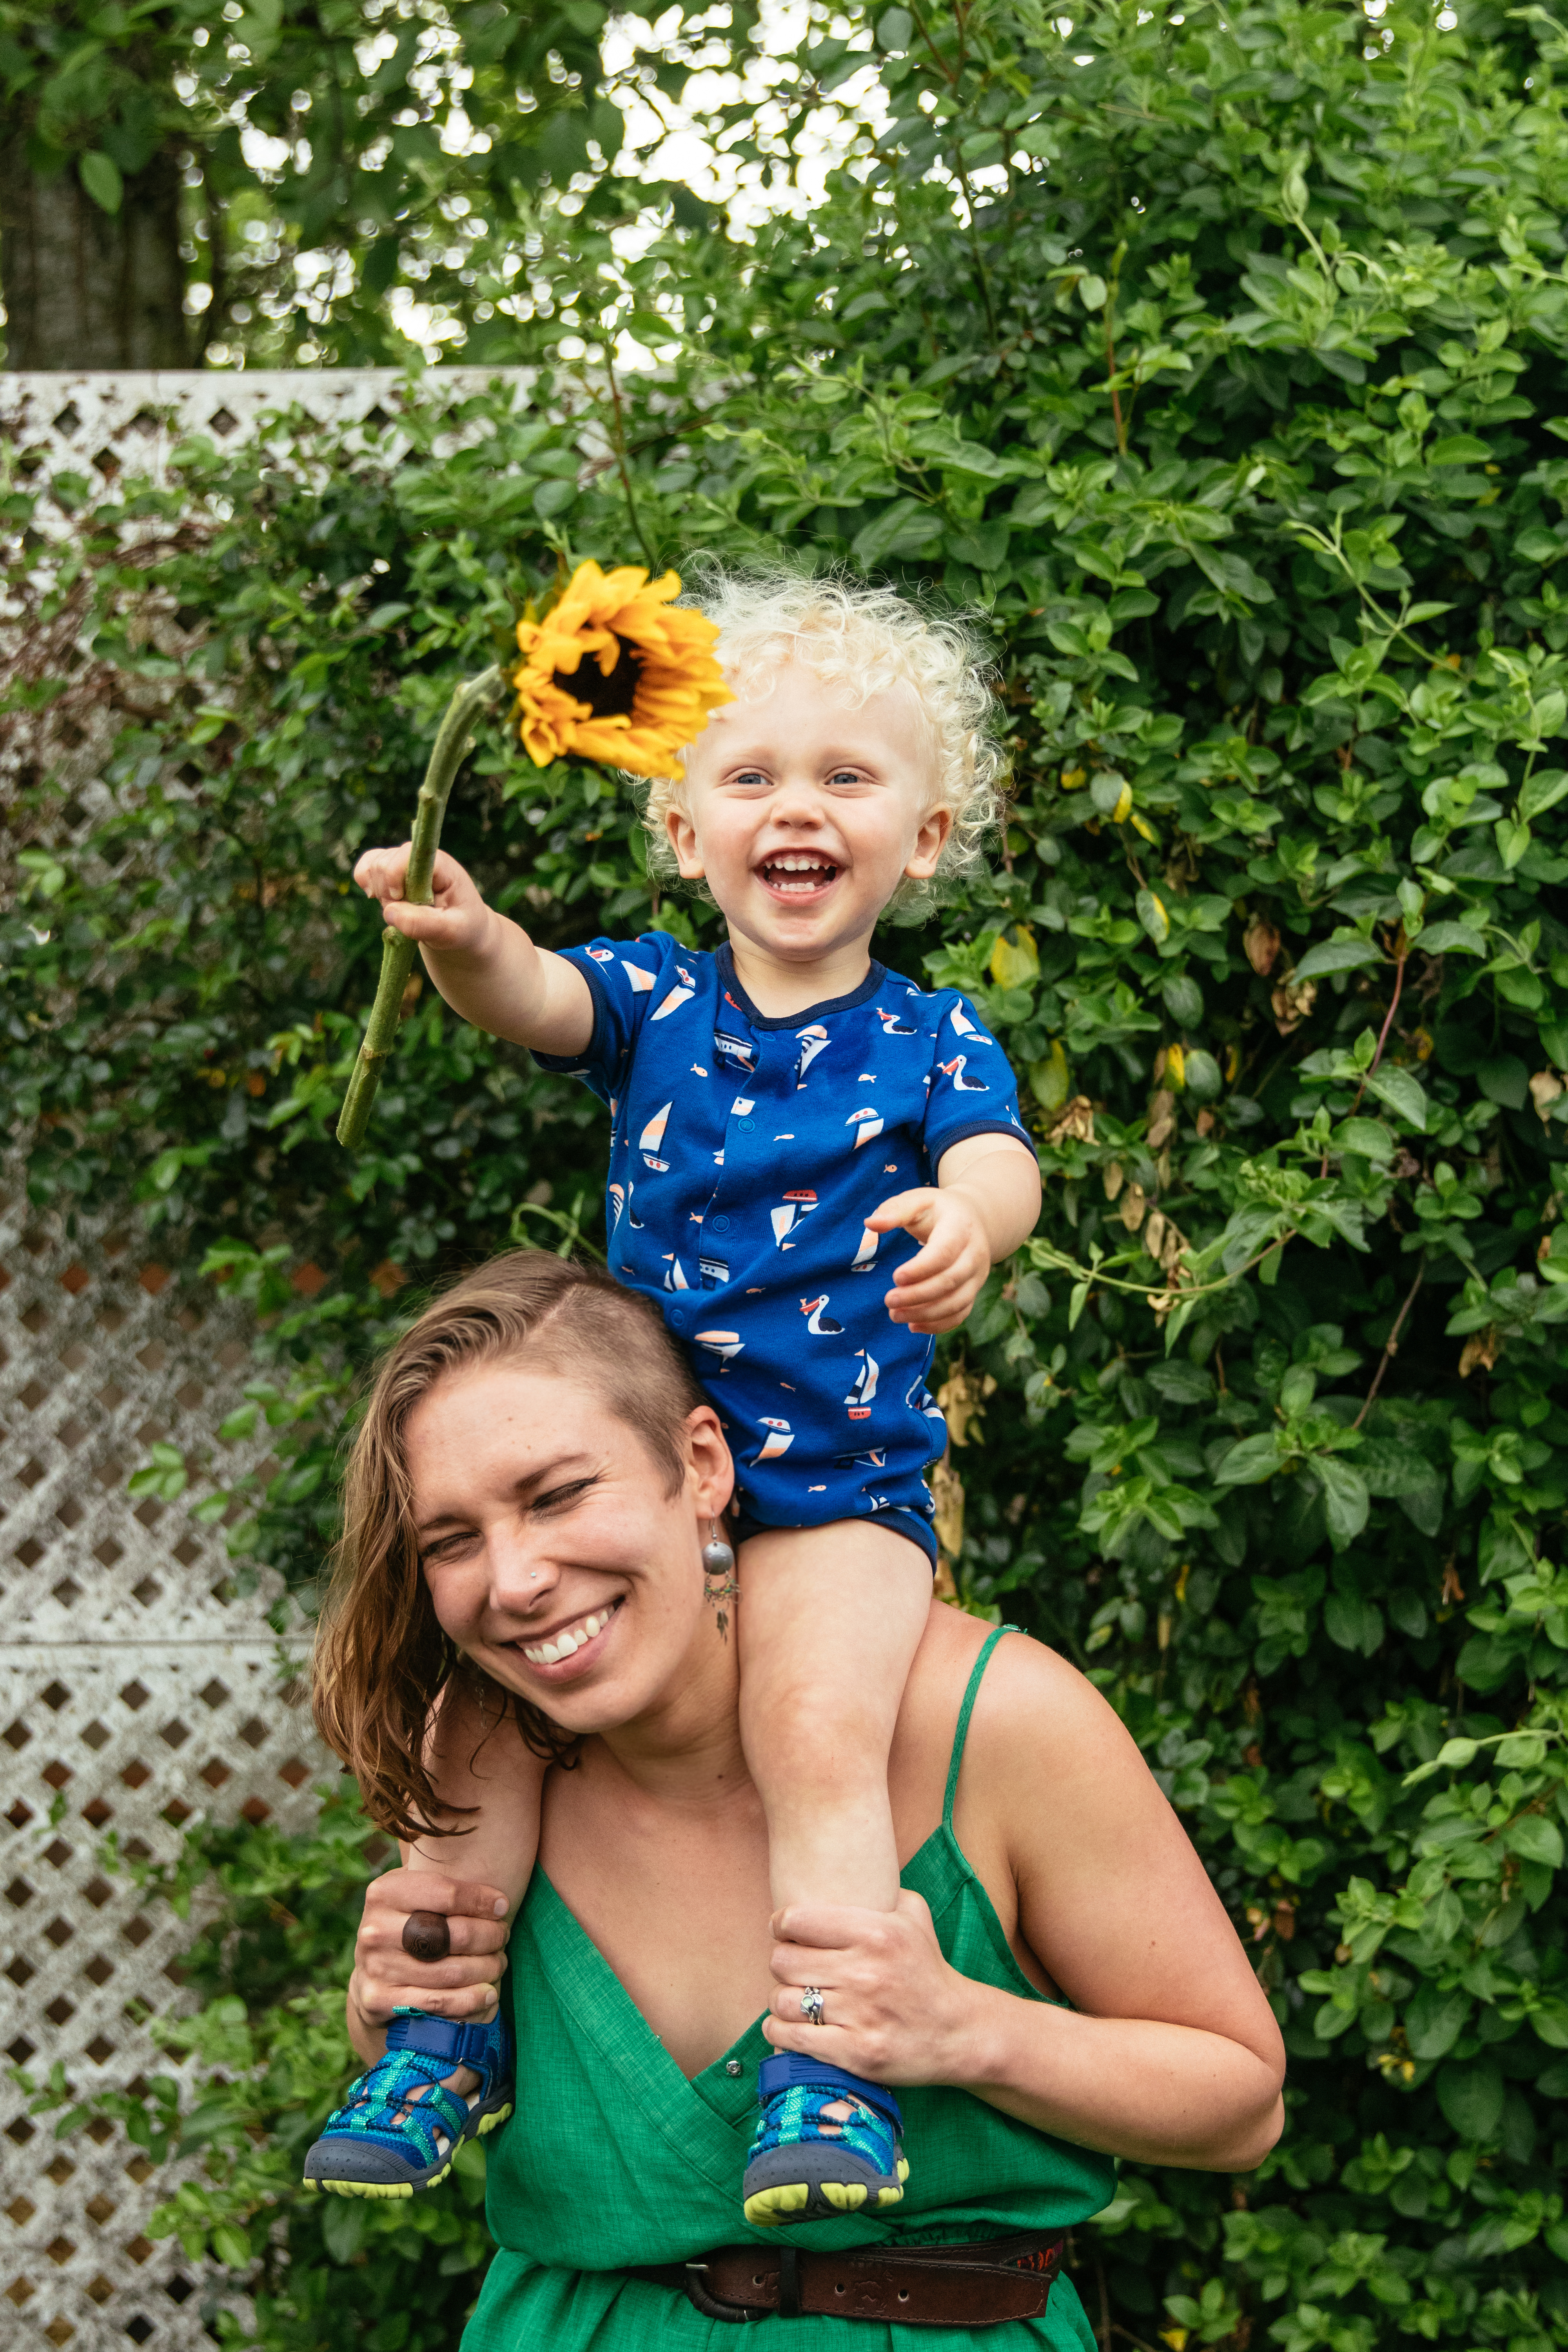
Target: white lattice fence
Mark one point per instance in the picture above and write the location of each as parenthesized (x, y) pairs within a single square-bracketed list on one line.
[(129, 422), (136, 1686), (135, 1690)]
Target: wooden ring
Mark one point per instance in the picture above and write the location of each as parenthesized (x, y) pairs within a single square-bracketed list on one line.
[(426, 1935)]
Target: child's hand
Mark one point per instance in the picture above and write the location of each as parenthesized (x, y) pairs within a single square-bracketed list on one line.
[(937, 1289), (457, 923)]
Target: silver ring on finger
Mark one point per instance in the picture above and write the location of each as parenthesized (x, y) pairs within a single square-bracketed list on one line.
[(811, 2006)]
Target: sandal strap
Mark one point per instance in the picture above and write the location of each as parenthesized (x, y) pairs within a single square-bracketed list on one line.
[(791, 2070), (379, 2107), (483, 2047)]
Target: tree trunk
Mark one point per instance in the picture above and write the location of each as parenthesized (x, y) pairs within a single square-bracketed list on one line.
[(87, 288)]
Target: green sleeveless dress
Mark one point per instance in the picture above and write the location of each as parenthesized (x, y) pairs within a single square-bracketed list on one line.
[(614, 2157)]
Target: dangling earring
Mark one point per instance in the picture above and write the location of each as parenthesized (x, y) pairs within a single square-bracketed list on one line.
[(719, 1584)]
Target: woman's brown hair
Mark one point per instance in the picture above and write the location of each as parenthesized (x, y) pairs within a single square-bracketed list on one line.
[(382, 1659)]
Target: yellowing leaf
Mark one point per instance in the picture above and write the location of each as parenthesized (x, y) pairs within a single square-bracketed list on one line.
[(1016, 963), (1123, 809), (1176, 1070), (1051, 1079)]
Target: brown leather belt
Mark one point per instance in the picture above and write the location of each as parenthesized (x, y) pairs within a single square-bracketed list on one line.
[(919, 2287)]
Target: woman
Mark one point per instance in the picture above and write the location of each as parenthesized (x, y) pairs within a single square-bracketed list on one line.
[(1059, 1985)]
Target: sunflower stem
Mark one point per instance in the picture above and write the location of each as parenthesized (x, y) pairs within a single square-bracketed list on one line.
[(467, 707)]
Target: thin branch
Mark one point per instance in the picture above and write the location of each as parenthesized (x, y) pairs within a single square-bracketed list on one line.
[(620, 442), (1390, 1345), (1383, 1033)]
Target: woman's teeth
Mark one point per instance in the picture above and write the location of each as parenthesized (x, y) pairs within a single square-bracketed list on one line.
[(566, 1644), (798, 874)]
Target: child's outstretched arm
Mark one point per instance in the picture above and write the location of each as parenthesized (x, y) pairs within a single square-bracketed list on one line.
[(485, 965), (984, 1202)]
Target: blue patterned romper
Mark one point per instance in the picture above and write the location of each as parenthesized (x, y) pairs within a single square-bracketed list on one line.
[(747, 1153)]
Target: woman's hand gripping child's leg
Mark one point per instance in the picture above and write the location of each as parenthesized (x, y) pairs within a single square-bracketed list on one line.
[(444, 2072), (830, 1618)]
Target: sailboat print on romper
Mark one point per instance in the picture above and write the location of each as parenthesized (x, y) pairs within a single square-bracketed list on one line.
[(652, 1138), (780, 1438), (859, 1397), (868, 1124), (812, 1041), (727, 1344), (675, 1279), (785, 1219), (715, 1272), (962, 1022), (820, 1326), (677, 997), (864, 1258)]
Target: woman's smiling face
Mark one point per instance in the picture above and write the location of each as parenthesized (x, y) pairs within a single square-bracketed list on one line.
[(555, 1557)]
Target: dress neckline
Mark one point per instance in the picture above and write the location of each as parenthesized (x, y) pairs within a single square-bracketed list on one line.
[(604, 1991)]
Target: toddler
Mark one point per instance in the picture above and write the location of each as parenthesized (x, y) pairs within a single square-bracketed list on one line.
[(814, 1165)]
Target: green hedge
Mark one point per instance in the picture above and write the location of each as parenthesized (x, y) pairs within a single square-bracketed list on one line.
[(1225, 370)]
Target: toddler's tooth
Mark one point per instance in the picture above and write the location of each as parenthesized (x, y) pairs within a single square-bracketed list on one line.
[(547, 1654), (568, 1644), (592, 1626)]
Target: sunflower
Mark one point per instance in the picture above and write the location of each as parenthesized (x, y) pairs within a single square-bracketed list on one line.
[(612, 672)]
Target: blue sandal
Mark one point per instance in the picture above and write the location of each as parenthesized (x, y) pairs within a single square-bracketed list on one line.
[(382, 2142), (804, 2168)]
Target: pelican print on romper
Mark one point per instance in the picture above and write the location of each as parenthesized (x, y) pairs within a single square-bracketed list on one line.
[(652, 1138), (867, 1123), (864, 1258), (677, 997), (859, 1397), (893, 1027), (785, 1219), (820, 1326), (727, 1344), (811, 1042), (780, 1438), (954, 1070)]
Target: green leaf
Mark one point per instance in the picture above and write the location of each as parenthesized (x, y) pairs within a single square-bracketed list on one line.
[(1336, 955), (1434, 2021), (1541, 793), (1535, 1839), (1345, 1499), (1452, 939), (906, 528), (1250, 1462), (1403, 1093), (1471, 2097), (1459, 449), (100, 178)]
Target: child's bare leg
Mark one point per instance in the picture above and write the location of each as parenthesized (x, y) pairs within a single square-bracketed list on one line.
[(830, 1618)]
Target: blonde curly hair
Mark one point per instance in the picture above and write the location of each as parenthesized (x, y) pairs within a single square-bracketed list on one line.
[(866, 638)]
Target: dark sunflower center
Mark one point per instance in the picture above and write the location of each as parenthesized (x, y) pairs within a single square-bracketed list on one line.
[(607, 697)]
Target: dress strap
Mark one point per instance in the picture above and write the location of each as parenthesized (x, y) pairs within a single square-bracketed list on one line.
[(964, 1712)]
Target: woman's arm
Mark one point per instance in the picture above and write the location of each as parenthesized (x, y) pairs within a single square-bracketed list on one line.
[(1169, 2054)]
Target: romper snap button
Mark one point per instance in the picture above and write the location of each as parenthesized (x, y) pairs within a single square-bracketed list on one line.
[(719, 1225)]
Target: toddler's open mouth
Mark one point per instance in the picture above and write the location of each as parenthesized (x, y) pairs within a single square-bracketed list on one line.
[(797, 875)]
